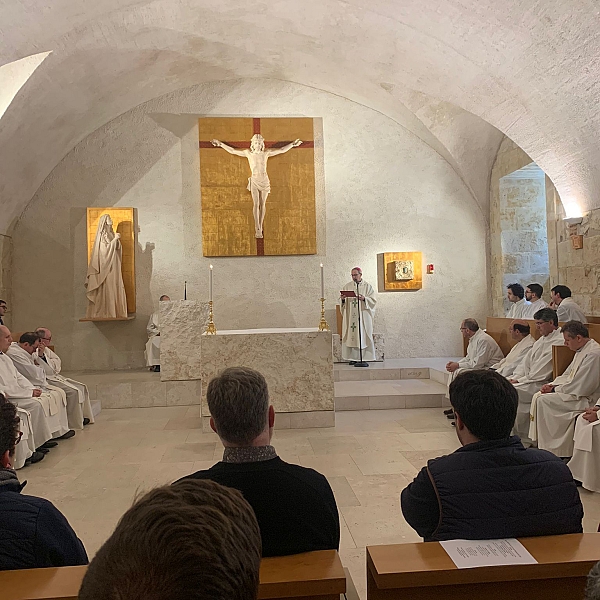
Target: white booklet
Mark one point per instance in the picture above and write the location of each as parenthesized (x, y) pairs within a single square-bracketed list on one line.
[(467, 554)]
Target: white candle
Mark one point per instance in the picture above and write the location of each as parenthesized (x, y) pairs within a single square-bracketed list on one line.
[(322, 282), (210, 283)]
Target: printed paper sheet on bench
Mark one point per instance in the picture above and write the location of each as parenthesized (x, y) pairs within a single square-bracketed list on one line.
[(467, 554)]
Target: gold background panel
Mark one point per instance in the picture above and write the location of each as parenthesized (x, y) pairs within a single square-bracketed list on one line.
[(232, 129), (386, 271), (123, 223), (227, 217), (288, 129)]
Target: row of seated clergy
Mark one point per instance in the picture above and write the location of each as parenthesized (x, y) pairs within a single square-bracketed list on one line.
[(526, 302), (54, 405), (555, 408), (152, 352)]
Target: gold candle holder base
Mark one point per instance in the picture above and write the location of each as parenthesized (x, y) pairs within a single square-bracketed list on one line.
[(323, 326), (210, 328)]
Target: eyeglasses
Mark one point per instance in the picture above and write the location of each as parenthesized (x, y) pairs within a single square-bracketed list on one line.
[(46, 339), (19, 437), (464, 328)]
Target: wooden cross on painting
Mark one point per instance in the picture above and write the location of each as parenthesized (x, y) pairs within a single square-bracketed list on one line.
[(258, 186)]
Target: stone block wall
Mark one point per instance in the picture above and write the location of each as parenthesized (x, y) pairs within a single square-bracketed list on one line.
[(6, 271)]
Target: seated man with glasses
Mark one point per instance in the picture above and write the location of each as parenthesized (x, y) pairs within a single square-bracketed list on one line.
[(33, 533)]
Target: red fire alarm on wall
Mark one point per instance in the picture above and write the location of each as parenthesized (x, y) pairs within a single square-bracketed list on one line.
[(429, 269)]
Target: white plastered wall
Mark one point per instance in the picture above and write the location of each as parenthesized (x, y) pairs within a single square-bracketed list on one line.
[(384, 190)]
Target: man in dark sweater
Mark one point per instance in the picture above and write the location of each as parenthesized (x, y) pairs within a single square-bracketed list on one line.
[(294, 506), (33, 533), (492, 487)]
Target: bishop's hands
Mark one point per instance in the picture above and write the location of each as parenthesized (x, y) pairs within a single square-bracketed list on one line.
[(548, 388), (36, 393), (591, 414)]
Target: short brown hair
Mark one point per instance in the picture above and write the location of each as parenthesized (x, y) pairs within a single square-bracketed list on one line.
[(194, 540), (238, 400), (575, 328), (9, 426)]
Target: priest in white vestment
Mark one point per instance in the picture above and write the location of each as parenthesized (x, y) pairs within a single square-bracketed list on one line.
[(518, 305), (152, 352), (25, 449), (533, 295), (520, 332), (536, 369), (53, 398), (566, 308), (556, 406), (482, 352), (21, 393), (79, 406), (350, 307), (585, 464)]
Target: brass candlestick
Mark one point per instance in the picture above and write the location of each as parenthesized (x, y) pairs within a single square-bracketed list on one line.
[(323, 326), (210, 328)]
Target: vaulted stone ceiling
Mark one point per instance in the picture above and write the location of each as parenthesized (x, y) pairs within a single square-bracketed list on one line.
[(531, 69)]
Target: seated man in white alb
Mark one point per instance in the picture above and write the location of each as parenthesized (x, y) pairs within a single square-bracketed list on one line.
[(152, 351), (518, 306), (585, 464), (482, 353), (533, 295), (53, 398), (521, 333), (21, 393), (79, 407), (25, 452), (556, 406), (566, 308), (536, 369)]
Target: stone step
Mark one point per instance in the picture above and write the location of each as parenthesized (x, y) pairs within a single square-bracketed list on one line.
[(387, 394), (395, 369)]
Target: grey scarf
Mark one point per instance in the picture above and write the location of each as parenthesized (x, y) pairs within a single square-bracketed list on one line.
[(9, 481)]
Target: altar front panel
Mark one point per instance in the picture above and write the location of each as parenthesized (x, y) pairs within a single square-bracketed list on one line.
[(297, 365)]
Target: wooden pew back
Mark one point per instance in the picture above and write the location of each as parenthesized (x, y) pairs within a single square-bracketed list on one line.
[(310, 576), (424, 571)]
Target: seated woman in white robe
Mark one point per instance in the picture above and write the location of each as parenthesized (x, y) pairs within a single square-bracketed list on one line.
[(556, 406)]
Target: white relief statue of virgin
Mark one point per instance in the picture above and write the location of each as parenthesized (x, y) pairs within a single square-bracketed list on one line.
[(104, 282)]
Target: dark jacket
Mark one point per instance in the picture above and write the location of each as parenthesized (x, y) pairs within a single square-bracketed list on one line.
[(294, 506), (495, 489), (33, 532)]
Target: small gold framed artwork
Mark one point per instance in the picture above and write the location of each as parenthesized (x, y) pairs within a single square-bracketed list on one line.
[(400, 271)]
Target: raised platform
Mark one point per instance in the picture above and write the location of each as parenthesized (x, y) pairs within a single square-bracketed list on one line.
[(393, 383)]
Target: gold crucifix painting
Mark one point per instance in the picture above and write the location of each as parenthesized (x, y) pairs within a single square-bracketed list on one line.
[(257, 179)]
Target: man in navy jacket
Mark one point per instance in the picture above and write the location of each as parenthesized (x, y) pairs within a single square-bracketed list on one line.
[(492, 487), (33, 532)]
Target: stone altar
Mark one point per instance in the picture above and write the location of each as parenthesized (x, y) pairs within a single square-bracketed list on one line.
[(297, 364), (182, 322)]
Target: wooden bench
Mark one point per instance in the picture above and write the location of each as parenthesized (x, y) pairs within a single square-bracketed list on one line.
[(309, 576), (424, 571)]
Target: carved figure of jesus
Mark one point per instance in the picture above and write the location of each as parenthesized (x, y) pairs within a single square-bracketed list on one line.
[(258, 183)]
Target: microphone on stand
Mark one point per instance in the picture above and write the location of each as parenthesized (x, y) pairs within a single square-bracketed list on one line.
[(185, 290), (361, 362)]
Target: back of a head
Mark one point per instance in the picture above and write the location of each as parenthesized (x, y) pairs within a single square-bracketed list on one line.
[(562, 290), (592, 589), (238, 401), (9, 426), (486, 403), (194, 540)]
